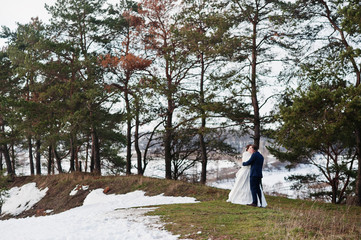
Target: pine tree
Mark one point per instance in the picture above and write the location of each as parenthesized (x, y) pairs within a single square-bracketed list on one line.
[(172, 64), (329, 33), (79, 25), (252, 44), (202, 33), (124, 62)]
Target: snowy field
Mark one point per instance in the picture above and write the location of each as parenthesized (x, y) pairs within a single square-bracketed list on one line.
[(100, 217), (113, 217)]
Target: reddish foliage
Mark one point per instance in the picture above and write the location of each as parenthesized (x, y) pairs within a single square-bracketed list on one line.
[(158, 14), (129, 62), (109, 61)]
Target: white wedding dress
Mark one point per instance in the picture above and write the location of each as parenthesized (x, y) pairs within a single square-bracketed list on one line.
[(241, 191)]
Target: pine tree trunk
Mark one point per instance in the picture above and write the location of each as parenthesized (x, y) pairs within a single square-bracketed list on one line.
[(256, 117), (167, 144), (95, 151), (129, 135), (72, 154), (203, 126), (9, 166), (13, 158), (204, 159), (136, 142), (58, 160), (50, 159), (358, 147), (31, 160), (129, 147), (37, 158), (86, 156), (92, 159), (358, 178), (1, 161), (76, 159)]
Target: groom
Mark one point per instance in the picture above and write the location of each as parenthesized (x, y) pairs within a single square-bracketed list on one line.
[(256, 162)]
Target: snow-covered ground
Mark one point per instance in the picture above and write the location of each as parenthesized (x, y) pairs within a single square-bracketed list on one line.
[(120, 216), (101, 217)]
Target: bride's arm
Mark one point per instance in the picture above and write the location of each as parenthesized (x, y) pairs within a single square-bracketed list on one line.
[(250, 161), (246, 156)]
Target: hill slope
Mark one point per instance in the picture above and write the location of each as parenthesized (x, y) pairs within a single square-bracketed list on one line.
[(213, 217)]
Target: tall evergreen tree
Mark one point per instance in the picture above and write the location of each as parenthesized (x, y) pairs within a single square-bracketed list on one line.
[(171, 61), (125, 61), (202, 33), (315, 130), (80, 25), (27, 56), (329, 32), (7, 85), (255, 41)]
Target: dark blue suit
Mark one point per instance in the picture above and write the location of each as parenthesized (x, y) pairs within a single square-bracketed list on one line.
[(256, 162)]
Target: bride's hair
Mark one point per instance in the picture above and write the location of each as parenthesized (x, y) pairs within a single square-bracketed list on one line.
[(248, 146)]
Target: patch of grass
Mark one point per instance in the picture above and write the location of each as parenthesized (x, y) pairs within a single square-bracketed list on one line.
[(218, 220), (282, 219)]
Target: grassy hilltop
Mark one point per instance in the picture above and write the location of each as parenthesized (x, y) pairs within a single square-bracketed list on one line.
[(212, 217)]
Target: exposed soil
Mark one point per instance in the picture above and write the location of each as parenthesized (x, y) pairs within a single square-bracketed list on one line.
[(58, 198)]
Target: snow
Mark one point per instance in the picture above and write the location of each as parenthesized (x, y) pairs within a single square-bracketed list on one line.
[(77, 188), (100, 217), (22, 199)]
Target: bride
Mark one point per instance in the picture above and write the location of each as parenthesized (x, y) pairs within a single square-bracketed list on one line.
[(241, 191)]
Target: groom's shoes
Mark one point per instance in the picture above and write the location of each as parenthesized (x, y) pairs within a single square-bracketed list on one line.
[(252, 204)]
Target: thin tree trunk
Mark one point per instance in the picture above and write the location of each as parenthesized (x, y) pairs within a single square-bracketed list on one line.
[(136, 141), (92, 158), (1, 161), (13, 158), (37, 158), (95, 151), (167, 143), (58, 160), (9, 166), (256, 117), (129, 148), (204, 159), (358, 144), (147, 147), (203, 127), (358, 179), (31, 160), (77, 166), (86, 157), (50, 159), (72, 154)]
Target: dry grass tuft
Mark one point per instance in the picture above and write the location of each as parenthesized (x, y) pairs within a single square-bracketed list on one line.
[(321, 221)]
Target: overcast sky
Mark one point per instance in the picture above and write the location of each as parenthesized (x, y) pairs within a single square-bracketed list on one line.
[(22, 11)]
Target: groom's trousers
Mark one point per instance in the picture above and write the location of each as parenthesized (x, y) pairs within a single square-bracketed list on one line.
[(255, 185)]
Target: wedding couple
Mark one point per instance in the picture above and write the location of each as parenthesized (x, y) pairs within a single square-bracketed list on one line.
[(247, 188)]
